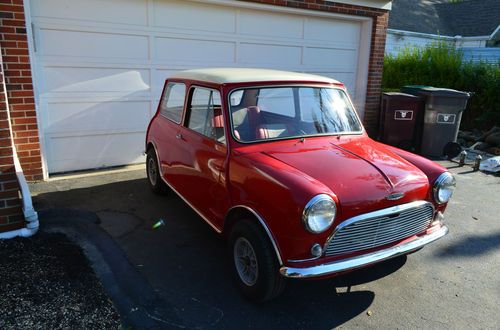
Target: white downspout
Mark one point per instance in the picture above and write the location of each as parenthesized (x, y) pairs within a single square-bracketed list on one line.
[(29, 212)]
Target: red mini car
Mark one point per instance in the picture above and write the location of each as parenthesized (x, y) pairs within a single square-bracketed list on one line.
[(279, 163)]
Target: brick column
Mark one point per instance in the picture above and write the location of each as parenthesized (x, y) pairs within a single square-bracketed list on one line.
[(376, 67), (19, 87), (11, 217)]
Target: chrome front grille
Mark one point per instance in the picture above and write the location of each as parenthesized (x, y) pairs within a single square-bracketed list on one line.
[(379, 228)]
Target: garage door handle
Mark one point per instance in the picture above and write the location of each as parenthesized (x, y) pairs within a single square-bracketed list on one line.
[(179, 136)]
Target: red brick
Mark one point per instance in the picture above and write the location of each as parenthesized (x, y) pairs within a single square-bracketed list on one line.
[(11, 8), (7, 29), (23, 107), (35, 159), (13, 22), (12, 226), (29, 146), (12, 36), (13, 73), (18, 121), (13, 202), (5, 152), (9, 194), (16, 51), (7, 211), (19, 16), (22, 66), (20, 93), (26, 134)]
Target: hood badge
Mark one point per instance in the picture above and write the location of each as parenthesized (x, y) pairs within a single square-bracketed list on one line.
[(395, 196)]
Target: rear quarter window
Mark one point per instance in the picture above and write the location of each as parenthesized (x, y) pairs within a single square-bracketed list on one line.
[(172, 104)]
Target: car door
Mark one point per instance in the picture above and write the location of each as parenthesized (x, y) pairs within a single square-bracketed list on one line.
[(169, 121), (203, 155)]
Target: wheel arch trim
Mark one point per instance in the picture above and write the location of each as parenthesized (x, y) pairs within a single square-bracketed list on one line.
[(263, 224)]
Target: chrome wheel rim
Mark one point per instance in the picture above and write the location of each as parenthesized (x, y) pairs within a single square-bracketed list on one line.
[(152, 171), (245, 261)]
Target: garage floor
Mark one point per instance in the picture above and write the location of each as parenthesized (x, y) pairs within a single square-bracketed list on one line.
[(453, 283)]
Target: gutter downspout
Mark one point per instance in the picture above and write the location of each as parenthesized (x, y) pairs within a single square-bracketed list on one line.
[(29, 212)]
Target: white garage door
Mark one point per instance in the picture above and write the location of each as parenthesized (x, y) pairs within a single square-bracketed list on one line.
[(100, 64)]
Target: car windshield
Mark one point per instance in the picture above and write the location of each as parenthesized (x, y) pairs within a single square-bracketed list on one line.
[(270, 113)]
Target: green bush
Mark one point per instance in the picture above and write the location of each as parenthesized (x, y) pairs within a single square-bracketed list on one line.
[(441, 65)]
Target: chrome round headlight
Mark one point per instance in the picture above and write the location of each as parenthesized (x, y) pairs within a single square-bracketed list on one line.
[(444, 188), (319, 213)]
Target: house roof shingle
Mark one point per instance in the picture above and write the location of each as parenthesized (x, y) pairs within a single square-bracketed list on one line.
[(466, 18)]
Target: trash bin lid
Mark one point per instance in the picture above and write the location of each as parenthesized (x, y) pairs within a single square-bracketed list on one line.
[(398, 95), (416, 86), (444, 92), (413, 89)]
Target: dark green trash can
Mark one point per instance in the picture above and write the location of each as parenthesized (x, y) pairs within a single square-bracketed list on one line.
[(442, 116)]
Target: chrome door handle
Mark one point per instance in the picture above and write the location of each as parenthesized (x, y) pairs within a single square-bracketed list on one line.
[(179, 136)]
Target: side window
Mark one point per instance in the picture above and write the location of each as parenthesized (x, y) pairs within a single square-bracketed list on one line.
[(277, 100), (205, 114), (172, 103)]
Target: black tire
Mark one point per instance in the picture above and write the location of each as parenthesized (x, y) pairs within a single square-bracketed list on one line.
[(268, 283), (152, 170)]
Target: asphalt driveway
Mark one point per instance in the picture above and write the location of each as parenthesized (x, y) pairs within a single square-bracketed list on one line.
[(453, 283)]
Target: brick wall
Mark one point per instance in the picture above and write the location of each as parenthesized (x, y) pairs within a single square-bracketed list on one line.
[(19, 85), (374, 87), (10, 210), (380, 19)]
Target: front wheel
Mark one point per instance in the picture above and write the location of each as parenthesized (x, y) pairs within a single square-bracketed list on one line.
[(255, 266), (153, 172)]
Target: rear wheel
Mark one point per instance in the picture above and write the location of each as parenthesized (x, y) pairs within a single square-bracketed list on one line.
[(255, 266), (153, 172)]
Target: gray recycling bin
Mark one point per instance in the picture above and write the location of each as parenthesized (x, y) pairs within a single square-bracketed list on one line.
[(442, 116)]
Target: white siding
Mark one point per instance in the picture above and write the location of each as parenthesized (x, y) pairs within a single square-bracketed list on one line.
[(396, 42)]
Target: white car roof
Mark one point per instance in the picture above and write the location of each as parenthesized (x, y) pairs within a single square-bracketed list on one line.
[(241, 75)]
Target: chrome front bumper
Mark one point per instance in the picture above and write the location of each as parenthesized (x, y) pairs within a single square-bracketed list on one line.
[(363, 260)]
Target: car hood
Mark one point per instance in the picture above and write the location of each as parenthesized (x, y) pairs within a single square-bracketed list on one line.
[(362, 173)]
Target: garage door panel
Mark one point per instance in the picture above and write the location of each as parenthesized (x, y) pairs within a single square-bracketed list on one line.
[(269, 54), (342, 32), (71, 117), (95, 151), (256, 23), (92, 44), (95, 80), (131, 11), (172, 49), (337, 58), (202, 17)]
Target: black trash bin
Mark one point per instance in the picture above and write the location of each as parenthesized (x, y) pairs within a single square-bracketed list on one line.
[(400, 120), (442, 116)]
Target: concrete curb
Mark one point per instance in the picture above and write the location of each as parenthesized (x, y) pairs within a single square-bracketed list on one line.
[(131, 293)]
